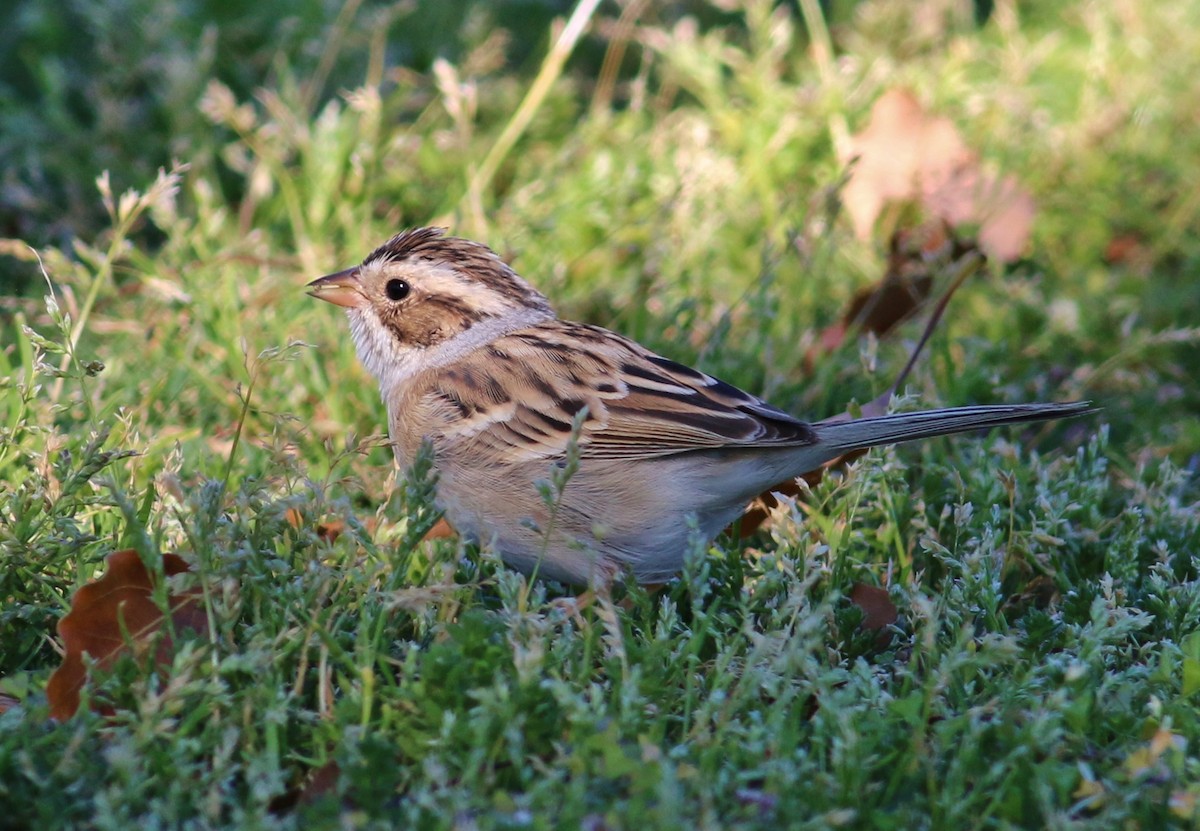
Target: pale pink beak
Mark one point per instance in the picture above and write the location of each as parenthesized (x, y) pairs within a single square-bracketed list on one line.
[(341, 289)]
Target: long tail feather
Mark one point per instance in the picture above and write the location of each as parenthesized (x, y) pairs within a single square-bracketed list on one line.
[(901, 427)]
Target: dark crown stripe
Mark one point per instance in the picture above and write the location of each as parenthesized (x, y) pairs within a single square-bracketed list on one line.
[(472, 259), (407, 243)]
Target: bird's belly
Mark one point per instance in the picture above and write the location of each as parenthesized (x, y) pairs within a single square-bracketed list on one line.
[(639, 516)]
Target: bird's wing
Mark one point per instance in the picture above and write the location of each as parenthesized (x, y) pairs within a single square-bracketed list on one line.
[(516, 399)]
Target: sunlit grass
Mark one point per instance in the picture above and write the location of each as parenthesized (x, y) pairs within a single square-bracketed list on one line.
[(1044, 669)]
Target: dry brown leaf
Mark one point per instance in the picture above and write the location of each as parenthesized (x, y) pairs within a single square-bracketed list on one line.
[(905, 154), (914, 256), (890, 157), (879, 612), (321, 782), (1039, 592), (881, 307), (1006, 220), (1129, 249), (440, 530), (331, 529), (328, 531), (108, 613), (324, 781)]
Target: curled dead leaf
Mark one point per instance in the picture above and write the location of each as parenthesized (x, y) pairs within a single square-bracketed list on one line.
[(1130, 249), (879, 612), (319, 783), (113, 613), (440, 530), (916, 256), (329, 530), (905, 154)]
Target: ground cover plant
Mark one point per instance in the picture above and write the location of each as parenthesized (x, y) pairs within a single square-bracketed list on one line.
[(981, 632)]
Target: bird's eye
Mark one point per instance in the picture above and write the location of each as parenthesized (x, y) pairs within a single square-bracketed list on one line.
[(397, 290)]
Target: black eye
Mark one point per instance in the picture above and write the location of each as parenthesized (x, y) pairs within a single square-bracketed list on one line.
[(397, 289)]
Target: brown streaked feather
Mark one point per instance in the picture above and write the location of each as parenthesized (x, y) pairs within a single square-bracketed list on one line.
[(640, 405), (471, 358)]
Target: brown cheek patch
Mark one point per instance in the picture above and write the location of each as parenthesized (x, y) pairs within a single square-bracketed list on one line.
[(423, 329), (429, 320)]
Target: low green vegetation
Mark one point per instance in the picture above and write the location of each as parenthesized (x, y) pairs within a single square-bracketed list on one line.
[(166, 385)]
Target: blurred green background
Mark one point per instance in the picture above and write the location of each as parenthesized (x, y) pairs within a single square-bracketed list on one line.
[(679, 183), (115, 85)]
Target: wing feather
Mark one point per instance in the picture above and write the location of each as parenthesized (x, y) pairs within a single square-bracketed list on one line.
[(639, 404)]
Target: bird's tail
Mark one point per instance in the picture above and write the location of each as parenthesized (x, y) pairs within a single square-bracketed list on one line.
[(856, 434)]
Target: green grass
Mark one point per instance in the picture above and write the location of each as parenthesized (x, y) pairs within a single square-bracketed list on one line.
[(181, 393)]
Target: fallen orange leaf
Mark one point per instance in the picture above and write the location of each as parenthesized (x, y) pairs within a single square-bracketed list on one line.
[(878, 610), (440, 530), (108, 614), (328, 531)]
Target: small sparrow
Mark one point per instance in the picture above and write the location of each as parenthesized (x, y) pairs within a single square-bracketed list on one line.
[(472, 359)]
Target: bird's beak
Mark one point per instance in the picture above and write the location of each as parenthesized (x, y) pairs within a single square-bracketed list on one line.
[(341, 289)]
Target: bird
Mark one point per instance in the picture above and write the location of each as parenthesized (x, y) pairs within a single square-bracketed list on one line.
[(473, 361)]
